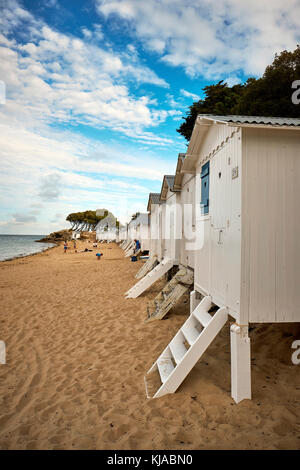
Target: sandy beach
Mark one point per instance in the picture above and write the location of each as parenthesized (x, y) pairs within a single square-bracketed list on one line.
[(77, 352)]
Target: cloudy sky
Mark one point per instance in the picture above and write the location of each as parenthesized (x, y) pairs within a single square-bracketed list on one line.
[(95, 89)]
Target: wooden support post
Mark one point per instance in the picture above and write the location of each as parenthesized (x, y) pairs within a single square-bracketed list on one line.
[(240, 363)]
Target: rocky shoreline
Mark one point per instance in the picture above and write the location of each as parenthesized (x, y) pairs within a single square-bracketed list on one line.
[(57, 237), (66, 235)]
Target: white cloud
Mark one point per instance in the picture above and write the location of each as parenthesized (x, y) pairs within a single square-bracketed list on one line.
[(23, 219), (50, 187), (187, 94), (210, 38), (71, 173), (231, 81), (54, 78), (58, 77)]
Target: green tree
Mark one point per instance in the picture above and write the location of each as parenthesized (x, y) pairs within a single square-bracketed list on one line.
[(269, 95), (219, 99)]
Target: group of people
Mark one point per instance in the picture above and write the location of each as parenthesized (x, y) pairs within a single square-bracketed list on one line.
[(66, 246), (82, 251)]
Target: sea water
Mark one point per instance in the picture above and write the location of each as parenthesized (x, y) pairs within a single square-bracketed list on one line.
[(14, 246)]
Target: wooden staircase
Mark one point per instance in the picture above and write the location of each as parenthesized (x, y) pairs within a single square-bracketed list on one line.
[(131, 252), (129, 249), (187, 347), (148, 266), (171, 293), (126, 244), (147, 281)]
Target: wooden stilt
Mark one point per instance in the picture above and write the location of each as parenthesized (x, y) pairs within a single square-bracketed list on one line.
[(240, 363)]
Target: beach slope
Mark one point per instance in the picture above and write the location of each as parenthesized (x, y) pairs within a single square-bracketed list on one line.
[(77, 352)]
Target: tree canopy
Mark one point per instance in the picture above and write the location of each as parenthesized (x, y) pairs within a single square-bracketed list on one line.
[(269, 95), (85, 220)]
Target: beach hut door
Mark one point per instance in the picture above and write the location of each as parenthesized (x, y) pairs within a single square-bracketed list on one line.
[(218, 212)]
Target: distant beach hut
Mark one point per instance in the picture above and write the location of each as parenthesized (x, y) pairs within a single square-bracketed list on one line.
[(184, 183), (165, 242), (75, 235), (154, 238), (142, 231)]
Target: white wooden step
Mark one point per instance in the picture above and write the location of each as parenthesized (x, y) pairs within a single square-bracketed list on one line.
[(150, 278), (147, 267), (177, 348), (172, 376), (165, 368), (190, 333), (203, 317)]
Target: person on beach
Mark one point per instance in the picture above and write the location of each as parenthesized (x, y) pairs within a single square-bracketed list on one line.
[(75, 246), (65, 247), (137, 245)]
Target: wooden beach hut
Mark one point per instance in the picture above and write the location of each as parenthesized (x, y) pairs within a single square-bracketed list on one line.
[(154, 245), (246, 264), (142, 230), (167, 243), (178, 195), (138, 229), (184, 182)]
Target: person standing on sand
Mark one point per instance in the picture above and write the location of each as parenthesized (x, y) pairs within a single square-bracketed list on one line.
[(137, 245), (65, 247)]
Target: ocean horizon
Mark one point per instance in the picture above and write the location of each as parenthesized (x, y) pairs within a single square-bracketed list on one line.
[(17, 246)]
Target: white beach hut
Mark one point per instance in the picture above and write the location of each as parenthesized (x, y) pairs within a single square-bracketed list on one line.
[(138, 229), (75, 235), (131, 236), (184, 182), (176, 195), (122, 234), (153, 210), (247, 173), (154, 245), (167, 244), (142, 230)]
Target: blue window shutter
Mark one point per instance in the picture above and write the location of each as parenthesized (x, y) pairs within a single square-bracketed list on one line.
[(205, 188)]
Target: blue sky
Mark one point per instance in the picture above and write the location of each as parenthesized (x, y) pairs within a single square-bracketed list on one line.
[(95, 90)]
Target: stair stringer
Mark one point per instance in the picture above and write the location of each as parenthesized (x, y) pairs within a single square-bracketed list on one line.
[(129, 249), (126, 245), (132, 252), (147, 267), (192, 355), (147, 281)]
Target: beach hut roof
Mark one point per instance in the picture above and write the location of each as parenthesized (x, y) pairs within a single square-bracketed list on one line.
[(140, 219), (205, 121), (254, 120), (168, 183), (154, 198), (179, 173)]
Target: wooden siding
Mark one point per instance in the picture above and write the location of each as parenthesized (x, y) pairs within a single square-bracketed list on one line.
[(270, 288)]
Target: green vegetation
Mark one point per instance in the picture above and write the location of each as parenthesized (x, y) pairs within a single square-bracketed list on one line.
[(85, 220), (269, 95), (135, 216), (88, 220)]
